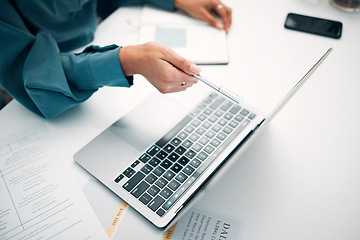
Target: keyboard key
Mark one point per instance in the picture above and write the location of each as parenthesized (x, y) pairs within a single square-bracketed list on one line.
[(221, 136), (209, 149), (195, 112), (168, 204), (244, 112), (146, 169), (156, 203), (219, 113), (208, 99), (176, 168), (183, 135), (188, 170), (183, 161), (193, 137), (135, 163), (153, 150), (190, 154), (200, 131), (235, 109), (166, 193), (216, 128), (252, 116), (153, 190), (131, 183), (233, 124), (126, 172), (227, 130), (140, 189), (197, 147), (208, 111), (180, 150), (222, 122), (161, 155), (228, 116), (189, 129), (210, 134), (195, 123), (166, 164), (175, 142), (195, 163), (154, 162), (226, 105), (144, 158), (239, 118), (217, 103), (169, 148), (202, 156), (158, 171), (145, 198), (202, 106), (204, 140), (215, 142), (213, 119), (173, 157), (206, 125), (169, 175), (181, 177), (161, 183), (151, 178), (187, 143), (201, 117), (118, 179), (173, 185), (160, 212)]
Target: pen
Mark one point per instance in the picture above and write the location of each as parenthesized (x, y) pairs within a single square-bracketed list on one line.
[(227, 93)]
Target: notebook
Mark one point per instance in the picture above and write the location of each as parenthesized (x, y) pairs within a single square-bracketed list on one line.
[(159, 156), (193, 39)]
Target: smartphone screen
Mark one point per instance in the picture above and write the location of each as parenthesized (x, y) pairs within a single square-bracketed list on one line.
[(318, 26)]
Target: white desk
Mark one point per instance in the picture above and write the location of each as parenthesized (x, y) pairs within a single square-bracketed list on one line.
[(301, 178)]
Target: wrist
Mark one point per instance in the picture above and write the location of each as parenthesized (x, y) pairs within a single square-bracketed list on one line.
[(179, 4), (127, 61)]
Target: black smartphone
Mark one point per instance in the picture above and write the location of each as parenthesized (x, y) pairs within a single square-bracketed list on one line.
[(318, 26)]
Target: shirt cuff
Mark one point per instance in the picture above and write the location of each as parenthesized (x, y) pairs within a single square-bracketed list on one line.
[(165, 4), (105, 66)]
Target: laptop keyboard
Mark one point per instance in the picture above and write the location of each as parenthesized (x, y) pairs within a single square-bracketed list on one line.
[(172, 164)]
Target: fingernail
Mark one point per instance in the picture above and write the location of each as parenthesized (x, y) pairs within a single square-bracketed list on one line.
[(219, 26), (195, 68)]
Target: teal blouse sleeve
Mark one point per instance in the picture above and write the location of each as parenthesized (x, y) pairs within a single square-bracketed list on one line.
[(36, 67)]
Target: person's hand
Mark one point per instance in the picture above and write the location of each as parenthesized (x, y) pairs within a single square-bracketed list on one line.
[(207, 10), (161, 66)]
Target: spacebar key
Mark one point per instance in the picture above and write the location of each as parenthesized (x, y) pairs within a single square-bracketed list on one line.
[(165, 139), (133, 181)]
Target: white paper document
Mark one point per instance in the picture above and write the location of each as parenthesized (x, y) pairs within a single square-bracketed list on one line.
[(38, 200), (193, 39), (197, 224)]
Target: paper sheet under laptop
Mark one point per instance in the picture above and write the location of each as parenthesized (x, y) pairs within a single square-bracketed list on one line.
[(191, 38)]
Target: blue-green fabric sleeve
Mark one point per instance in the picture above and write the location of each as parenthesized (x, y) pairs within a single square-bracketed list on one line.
[(165, 4), (49, 82), (57, 81)]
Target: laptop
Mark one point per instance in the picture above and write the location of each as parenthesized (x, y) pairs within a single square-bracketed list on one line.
[(159, 156)]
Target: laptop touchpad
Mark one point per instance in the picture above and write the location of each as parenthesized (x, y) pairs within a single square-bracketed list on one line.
[(149, 121)]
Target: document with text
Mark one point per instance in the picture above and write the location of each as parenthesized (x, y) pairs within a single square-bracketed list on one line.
[(38, 199)]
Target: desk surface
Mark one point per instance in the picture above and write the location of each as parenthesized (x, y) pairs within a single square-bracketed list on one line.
[(301, 178)]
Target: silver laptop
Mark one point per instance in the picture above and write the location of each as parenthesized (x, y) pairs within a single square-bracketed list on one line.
[(159, 156)]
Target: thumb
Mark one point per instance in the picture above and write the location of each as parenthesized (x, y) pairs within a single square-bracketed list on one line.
[(184, 64)]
